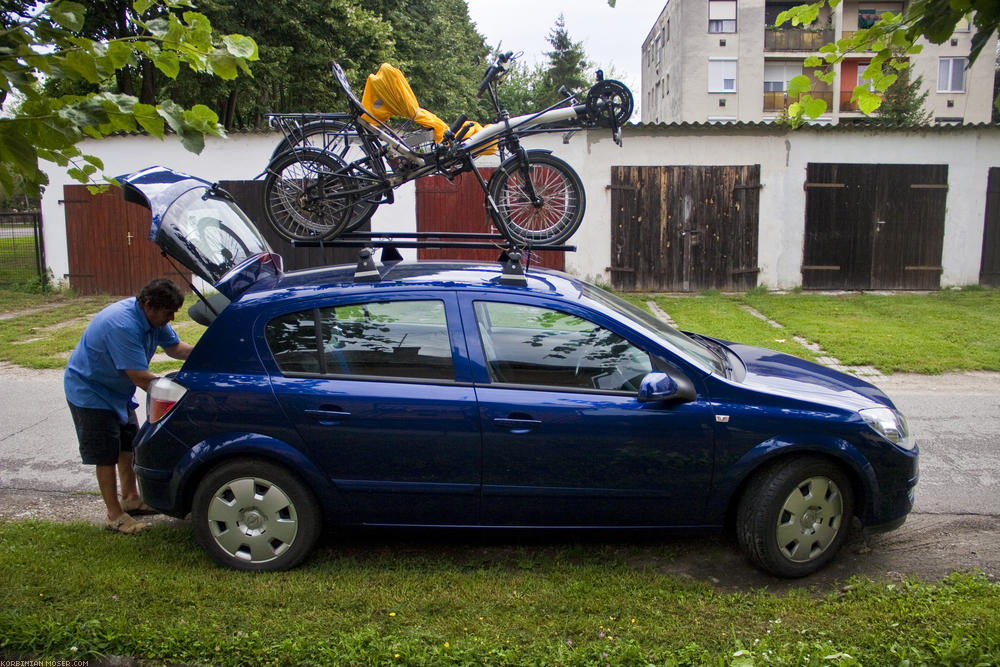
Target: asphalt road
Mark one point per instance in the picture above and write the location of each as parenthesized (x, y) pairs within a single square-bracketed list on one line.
[(955, 419)]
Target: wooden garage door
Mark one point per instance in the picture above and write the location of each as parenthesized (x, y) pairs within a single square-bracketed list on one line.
[(458, 206), (684, 228), (874, 226), (106, 237)]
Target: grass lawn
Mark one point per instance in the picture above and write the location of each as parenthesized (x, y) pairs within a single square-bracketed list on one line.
[(157, 596), (46, 327), (916, 333), (17, 260)]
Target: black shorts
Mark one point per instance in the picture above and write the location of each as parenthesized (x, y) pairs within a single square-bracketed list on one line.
[(102, 437)]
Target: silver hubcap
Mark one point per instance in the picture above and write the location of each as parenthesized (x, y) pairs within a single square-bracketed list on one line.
[(810, 519), (252, 519)]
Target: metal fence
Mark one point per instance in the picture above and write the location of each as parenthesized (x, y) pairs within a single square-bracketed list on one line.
[(22, 254)]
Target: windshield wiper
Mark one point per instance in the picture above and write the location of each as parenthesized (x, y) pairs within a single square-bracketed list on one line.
[(717, 348)]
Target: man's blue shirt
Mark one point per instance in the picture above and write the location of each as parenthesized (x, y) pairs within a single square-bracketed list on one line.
[(119, 338)]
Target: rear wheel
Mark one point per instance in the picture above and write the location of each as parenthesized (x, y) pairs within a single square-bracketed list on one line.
[(255, 515), (341, 140), (556, 210), (304, 198), (795, 516)]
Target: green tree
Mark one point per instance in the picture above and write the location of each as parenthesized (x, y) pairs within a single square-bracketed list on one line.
[(893, 38), (567, 66), (44, 44), (903, 103), (438, 48)]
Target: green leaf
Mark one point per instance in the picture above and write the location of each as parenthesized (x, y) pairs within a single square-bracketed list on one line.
[(868, 101), (167, 62), (240, 46), (149, 118), (882, 83), (119, 54), (68, 15), (84, 64), (812, 61), (222, 65), (140, 6), (799, 84), (814, 107)]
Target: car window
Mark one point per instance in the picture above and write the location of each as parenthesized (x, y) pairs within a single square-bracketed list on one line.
[(406, 339), (538, 346)]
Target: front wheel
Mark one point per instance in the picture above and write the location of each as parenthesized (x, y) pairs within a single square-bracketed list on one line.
[(255, 515), (549, 212), (794, 516)]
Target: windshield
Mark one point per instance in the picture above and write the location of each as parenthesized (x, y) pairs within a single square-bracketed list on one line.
[(671, 336), (208, 234)]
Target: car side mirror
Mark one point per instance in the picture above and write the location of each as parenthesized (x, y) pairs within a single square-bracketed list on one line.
[(657, 386)]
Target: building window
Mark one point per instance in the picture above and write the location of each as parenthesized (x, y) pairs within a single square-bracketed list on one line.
[(951, 75), (722, 15), (659, 48), (722, 75), (867, 18), (778, 74)]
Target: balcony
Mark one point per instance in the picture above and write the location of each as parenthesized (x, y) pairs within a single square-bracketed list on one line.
[(779, 100), (796, 39)]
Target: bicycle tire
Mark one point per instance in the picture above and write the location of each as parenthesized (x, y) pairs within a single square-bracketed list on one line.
[(217, 236), (563, 201), (340, 139), (301, 195)]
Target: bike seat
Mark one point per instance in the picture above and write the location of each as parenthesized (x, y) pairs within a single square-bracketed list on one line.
[(352, 99)]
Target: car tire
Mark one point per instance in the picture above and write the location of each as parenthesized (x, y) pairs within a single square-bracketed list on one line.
[(251, 514), (795, 515)]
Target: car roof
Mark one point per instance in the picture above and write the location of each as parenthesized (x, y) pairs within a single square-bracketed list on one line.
[(414, 274)]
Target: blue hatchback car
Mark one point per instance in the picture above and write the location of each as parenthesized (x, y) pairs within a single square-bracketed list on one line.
[(448, 395)]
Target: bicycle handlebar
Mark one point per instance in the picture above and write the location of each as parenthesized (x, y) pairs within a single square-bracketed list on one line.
[(494, 69)]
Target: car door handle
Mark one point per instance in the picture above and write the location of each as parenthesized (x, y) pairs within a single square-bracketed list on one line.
[(328, 417), (516, 425)]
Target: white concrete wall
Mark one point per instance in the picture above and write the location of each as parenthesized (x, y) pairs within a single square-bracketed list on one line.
[(783, 155)]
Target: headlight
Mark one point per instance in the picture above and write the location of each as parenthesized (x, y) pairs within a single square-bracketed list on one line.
[(890, 424)]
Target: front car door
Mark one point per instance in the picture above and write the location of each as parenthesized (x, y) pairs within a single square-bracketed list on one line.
[(374, 389), (565, 440)]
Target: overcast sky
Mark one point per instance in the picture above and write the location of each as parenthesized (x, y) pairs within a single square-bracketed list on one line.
[(612, 37)]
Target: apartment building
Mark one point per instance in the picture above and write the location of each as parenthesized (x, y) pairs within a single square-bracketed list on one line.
[(724, 60)]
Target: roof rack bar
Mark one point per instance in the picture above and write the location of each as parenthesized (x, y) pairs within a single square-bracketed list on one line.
[(360, 243)]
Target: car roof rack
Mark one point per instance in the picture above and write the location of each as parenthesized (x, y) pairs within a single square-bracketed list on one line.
[(367, 270)]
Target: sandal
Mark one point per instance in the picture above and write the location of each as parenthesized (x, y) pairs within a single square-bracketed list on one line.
[(137, 507), (126, 525)]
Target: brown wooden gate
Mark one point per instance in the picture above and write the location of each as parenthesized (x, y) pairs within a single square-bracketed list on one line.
[(684, 228), (457, 206), (874, 226), (989, 268), (109, 251), (106, 239)]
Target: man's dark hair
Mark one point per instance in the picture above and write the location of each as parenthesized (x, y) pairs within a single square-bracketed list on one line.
[(161, 293)]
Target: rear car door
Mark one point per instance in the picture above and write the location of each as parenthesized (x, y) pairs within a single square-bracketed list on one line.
[(375, 389), (565, 440)]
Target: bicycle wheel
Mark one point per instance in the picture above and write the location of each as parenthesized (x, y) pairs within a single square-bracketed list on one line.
[(341, 140), (219, 246), (304, 196), (557, 212)]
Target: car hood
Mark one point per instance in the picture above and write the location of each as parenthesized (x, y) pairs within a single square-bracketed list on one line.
[(782, 374), (200, 226)]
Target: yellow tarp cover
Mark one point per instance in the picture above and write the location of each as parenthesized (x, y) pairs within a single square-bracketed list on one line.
[(387, 94)]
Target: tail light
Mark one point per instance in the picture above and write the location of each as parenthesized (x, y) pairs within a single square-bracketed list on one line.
[(163, 395)]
